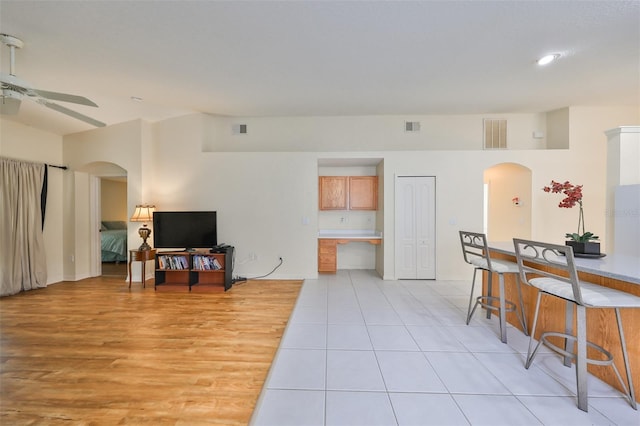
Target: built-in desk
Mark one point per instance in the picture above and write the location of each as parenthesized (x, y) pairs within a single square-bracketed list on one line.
[(615, 271), (328, 241)]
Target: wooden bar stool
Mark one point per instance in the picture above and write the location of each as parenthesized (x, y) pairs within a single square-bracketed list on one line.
[(476, 253), (581, 295)]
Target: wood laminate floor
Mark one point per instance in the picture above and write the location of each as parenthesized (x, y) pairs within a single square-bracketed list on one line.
[(95, 352), (114, 269)]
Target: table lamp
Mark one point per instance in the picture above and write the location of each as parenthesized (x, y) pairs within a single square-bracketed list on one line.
[(143, 213)]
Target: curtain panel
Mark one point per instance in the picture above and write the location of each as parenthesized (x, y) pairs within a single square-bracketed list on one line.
[(23, 263)]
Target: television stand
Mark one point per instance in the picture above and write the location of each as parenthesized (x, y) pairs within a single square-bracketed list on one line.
[(198, 270)]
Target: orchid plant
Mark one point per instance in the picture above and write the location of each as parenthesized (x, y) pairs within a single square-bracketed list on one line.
[(573, 195)]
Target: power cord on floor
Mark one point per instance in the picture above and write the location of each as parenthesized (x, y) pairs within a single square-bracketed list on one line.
[(243, 279)]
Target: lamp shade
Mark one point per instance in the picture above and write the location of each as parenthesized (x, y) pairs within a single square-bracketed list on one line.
[(143, 213)]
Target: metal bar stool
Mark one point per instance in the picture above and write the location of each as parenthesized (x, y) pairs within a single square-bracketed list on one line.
[(476, 253), (581, 295)]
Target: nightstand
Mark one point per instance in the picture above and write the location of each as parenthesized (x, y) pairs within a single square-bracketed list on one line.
[(140, 256)]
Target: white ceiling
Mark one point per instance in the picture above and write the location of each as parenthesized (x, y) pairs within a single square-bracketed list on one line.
[(281, 58)]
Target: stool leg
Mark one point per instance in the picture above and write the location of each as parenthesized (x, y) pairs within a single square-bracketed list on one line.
[(523, 318), (581, 358), (489, 291), (623, 344), (473, 284), (532, 353), (503, 310), (568, 329)]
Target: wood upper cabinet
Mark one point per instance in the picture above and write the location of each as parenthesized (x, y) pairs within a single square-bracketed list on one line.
[(334, 192), (363, 192), (348, 193)]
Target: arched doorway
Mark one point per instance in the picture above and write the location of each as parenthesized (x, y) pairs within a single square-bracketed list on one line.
[(507, 202)]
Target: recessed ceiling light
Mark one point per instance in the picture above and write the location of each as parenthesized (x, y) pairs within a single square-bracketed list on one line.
[(545, 60), (136, 99)]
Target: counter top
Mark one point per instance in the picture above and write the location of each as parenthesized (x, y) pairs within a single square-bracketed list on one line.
[(352, 234), (619, 267)]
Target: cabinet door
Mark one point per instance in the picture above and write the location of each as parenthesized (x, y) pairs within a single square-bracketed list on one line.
[(327, 255), (363, 192), (333, 192)]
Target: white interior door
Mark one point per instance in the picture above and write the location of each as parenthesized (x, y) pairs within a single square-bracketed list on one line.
[(406, 241), (415, 227)]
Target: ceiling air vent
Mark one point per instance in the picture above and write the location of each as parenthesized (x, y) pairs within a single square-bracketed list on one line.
[(411, 126), (495, 133), (239, 129)]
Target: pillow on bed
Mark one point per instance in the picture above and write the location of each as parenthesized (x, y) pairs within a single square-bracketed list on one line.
[(103, 227), (114, 224)]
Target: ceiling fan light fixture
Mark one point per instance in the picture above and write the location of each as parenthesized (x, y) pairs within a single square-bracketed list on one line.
[(547, 59), (10, 102)]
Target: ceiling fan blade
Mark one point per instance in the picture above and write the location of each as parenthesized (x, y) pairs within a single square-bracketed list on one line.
[(64, 97), (73, 114), (14, 83)]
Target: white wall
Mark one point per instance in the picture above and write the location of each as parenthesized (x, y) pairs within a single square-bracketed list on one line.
[(29, 144), (558, 129), (261, 198), (255, 187), (365, 133), (264, 190)]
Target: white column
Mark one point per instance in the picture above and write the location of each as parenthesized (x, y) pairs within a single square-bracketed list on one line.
[(623, 190)]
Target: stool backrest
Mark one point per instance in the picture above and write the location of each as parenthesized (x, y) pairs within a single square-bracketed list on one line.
[(474, 245), (540, 256)]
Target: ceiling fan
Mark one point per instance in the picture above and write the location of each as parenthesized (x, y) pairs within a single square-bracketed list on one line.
[(15, 89)]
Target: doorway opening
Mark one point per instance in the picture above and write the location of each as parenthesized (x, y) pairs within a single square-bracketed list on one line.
[(88, 206), (507, 202), (113, 226)]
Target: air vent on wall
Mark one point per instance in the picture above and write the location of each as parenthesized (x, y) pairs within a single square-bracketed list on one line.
[(239, 129), (495, 133), (411, 126)]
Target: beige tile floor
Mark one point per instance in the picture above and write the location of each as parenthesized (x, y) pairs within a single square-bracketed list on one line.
[(362, 351)]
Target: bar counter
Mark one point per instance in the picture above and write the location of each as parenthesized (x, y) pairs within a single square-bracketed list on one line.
[(619, 267), (615, 271)]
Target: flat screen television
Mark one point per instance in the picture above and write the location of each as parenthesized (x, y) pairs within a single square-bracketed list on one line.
[(185, 230)]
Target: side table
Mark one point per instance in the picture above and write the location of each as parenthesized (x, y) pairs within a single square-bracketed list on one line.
[(140, 256)]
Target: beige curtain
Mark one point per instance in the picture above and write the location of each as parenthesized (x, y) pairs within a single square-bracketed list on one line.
[(23, 263)]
